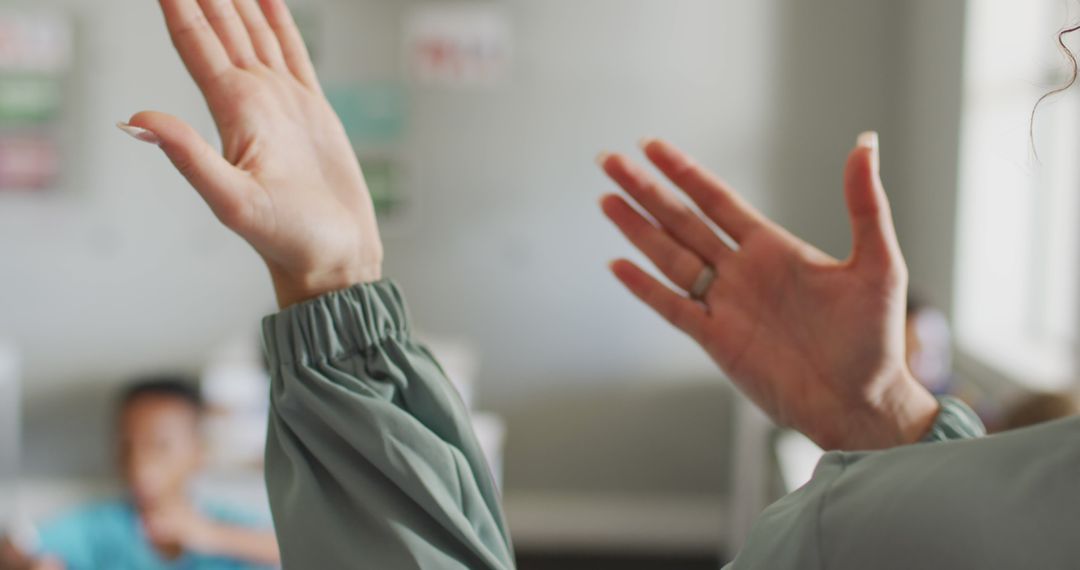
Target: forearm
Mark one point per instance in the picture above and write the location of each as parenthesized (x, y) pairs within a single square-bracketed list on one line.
[(370, 455), (243, 544)]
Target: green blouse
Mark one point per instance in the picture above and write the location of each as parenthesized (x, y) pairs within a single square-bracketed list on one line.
[(372, 463)]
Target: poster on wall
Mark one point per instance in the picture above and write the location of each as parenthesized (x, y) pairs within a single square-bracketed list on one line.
[(372, 112), (459, 44), (35, 55), (374, 115), (35, 43), (384, 179), (28, 162)]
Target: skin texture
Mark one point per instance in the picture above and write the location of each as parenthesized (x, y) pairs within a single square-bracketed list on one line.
[(288, 181), (816, 342)]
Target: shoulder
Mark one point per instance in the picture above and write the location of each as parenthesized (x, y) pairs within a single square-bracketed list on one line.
[(76, 535), (93, 513), (932, 505), (786, 535)]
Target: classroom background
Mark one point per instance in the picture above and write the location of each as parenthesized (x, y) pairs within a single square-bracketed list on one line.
[(616, 440)]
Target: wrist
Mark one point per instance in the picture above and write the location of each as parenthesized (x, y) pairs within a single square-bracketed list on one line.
[(292, 289), (904, 411)]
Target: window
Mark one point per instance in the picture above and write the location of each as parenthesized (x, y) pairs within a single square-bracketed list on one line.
[(1019, 216)]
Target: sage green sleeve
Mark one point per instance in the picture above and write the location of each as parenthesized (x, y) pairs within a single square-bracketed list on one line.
[(371, 461), (788, 535), (955, 421)]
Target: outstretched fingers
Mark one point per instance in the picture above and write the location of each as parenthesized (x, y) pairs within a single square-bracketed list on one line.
[(677, 263), (230, 29), (874, 236), (196, 41), (227, 190), (686, 315), (262, 35), (674, 215), (719, 202), (292, 43)]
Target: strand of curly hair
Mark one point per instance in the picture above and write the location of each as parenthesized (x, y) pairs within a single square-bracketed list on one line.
[(1073, 78)]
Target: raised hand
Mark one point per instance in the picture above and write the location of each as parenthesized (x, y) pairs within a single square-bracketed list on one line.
[(815, 342), (289, 182)]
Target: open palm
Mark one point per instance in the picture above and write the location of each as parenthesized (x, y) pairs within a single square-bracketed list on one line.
[(817, 343), (288, 180)]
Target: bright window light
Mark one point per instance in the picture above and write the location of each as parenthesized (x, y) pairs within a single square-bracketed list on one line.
[(1018, 255)]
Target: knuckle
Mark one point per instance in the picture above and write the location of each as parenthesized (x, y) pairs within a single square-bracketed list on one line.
[(684, 267), (196, 25), (184, 165), (684, 319), (649, 188), (712, 201), (220, 10), (686, 218), (231, 213), (893, 277), (246, 60), (685, 173)]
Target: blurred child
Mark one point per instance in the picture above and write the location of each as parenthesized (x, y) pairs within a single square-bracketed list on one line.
[(157, 524)]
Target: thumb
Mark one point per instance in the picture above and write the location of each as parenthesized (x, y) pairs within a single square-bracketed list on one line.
[(224, 187), (874, 236)]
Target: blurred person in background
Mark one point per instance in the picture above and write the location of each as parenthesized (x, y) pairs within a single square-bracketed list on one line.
[(929, 345), (928, 340), (157, 524), (371, 461), (1040, 408)]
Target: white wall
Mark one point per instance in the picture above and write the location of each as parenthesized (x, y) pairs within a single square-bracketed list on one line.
[(124, 270), (928, 93), (510, 227)]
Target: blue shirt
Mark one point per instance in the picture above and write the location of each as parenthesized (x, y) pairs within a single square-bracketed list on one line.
[(109, 536)]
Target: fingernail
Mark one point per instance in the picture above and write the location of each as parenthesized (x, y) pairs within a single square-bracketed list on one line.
[(869, 139), (139, 134), (645, 142), (602, 158)]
